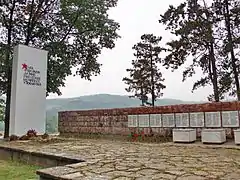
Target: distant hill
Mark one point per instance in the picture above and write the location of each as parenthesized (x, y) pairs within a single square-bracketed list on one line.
[(101, 101), (98, 101)]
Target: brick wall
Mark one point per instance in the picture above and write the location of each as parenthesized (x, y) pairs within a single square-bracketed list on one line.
[(115, 121)]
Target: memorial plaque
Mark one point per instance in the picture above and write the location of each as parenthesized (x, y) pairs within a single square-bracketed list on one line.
[(213, 119), (28, 92), (155, 120), (143, 120), (182, 119), (230, 119), (132, 120), (197, 119), (168, 120)]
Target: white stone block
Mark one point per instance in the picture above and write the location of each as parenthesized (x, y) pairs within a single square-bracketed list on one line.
[(213, 136), (28, 93), (184, 135), (237, 136)]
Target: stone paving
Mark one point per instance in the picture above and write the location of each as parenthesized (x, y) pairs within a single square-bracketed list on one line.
[(118, 160)]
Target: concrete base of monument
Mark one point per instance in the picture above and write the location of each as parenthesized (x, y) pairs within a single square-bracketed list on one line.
[(237, 136), (213, 136), (184, 135)]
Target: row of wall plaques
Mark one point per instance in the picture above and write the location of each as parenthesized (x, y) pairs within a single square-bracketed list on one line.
[(199, 119)]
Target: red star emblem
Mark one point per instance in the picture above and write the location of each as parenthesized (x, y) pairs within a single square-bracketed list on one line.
[(24, 67)]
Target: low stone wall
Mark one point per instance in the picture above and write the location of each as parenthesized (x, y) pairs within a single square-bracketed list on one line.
[(35, 158), (116, 121)]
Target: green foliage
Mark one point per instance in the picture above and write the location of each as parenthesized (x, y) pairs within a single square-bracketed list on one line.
[(2, 109), (74, 32), (145, 76), (51, 124), (137, 83), (207, 34), (2, 126), (193, 25), (228, 13)]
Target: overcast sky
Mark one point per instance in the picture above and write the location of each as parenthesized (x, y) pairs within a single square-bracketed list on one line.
[(136, 17)]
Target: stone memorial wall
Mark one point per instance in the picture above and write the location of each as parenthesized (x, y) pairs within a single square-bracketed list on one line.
[(157, 120), (228, 119)]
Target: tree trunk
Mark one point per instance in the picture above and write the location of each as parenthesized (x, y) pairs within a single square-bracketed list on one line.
[(230, 41), (142, 96), (9, 74), (212, 65), (214, 74), (152, 80), (8, 101)]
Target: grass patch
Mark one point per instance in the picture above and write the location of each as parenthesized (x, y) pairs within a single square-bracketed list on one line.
[(10, 170)]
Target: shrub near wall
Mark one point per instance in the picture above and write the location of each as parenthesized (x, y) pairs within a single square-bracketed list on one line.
[(115, 121)]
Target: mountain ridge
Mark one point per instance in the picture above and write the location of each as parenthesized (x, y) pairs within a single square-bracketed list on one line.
[(102, 101), (95, 101)]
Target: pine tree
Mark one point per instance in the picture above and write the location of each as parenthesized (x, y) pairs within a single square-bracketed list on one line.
[(146, 77), (137, 82), (194, 26), (228, 15)]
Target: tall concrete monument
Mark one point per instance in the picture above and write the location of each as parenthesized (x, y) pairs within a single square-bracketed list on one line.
[(28, 95)]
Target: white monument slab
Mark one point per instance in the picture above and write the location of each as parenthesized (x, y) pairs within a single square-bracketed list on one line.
[(132, 120), (155, 120), (213, 119), (143, 120), (28, 95), (197, 119), (213, 136), (184, 135), (237, 136), (230, 119), (182, 119), (168, 120)]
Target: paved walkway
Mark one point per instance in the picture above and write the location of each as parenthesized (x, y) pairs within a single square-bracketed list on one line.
[(125, 160)]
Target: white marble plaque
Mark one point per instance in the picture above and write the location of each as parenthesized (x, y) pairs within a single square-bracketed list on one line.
[(182, 119), (230, 119), (132, 120), (143, 120), (155, 120), (168, 120), (213, 119), (197, 119)]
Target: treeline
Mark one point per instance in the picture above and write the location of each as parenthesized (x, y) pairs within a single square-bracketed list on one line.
[(207, 34)]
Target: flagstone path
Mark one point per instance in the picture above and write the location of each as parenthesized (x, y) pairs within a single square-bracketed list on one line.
[(106, 159)]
